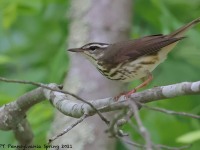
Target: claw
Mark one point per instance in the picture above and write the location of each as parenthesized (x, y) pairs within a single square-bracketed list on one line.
[(126, 94)]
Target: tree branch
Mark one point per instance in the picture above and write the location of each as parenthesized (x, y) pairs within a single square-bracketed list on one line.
[(13, 116), (75, 109), (142, 129), (55, 87), (13, 113), (170, 112), (59, 99), (81, 119)]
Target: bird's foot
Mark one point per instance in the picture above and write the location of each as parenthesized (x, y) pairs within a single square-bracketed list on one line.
[(125, 94), (128, 94)]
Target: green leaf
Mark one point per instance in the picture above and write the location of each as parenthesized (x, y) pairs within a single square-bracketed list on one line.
[(189, 137)]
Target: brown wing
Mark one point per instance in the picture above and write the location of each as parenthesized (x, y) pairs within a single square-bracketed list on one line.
[(133, 49)]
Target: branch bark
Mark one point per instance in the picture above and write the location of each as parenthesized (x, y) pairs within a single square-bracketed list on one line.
[(13, 116), (63, 103), (76, 109)]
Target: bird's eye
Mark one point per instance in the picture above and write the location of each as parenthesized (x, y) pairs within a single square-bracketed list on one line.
[(93, 47)]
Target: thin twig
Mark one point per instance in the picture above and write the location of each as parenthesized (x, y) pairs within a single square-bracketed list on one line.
[(155, 146), (125, 119), (69, 128), (57, 90), (131, 142), (113, 128), (171, 112), (172, 148), (142, 129)]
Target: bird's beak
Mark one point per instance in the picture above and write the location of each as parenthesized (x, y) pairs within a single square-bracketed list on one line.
[(75, 50)]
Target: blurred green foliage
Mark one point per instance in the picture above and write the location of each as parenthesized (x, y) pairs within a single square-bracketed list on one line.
[(33, 43), (33, 37)]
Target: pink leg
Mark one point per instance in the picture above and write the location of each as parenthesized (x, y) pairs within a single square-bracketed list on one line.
[(146, 82), (143, 84)]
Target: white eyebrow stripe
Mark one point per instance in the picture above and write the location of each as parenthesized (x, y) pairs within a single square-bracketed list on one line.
[(97, 45)]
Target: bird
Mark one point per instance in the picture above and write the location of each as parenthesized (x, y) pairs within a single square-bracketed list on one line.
[(132, 59)]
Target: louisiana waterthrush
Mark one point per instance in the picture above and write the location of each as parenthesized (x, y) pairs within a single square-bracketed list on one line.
[(133, 59)]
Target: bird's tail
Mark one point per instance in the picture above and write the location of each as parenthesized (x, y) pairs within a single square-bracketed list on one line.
[(180, 32)]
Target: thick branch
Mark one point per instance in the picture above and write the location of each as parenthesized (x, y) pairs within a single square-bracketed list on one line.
[(13, 113), (169, 91), (13, 116), (75, 109)]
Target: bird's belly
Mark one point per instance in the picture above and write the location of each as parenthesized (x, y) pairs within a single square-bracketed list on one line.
[(134, 70), (137, 72)]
